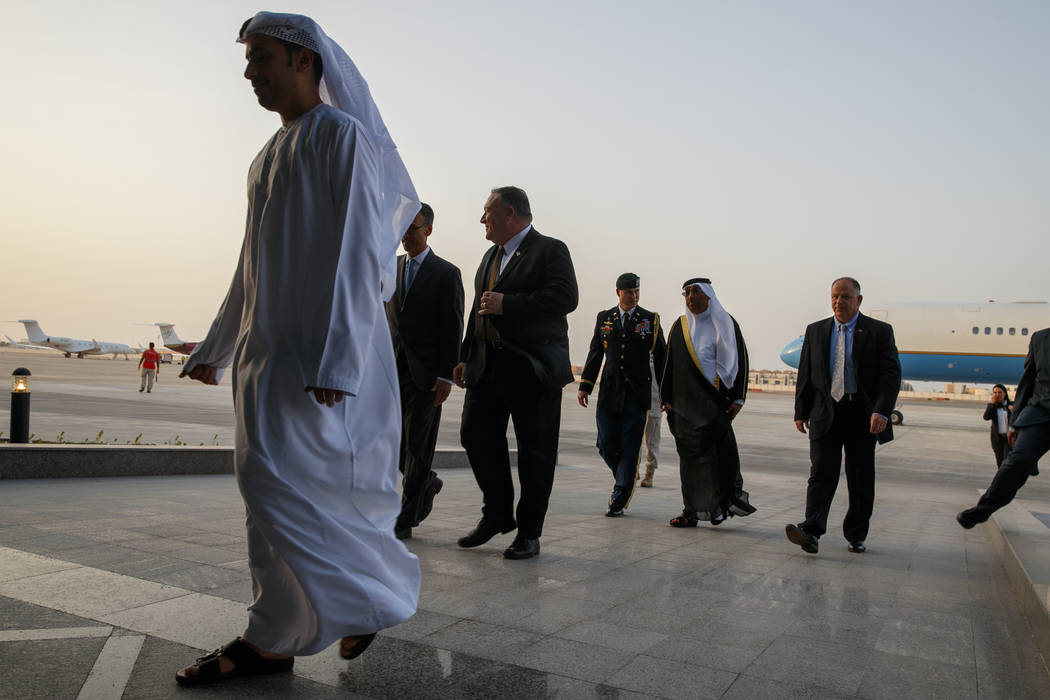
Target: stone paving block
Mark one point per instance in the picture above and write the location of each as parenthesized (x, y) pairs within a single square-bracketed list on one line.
[(420, 625), (394, 668), (612, 635), (200, 554), (482, 639), (565, 657), (923, 641), (837, 667), (751, 688), (722, 648), (18, 565), (196, 620), (1009, 681), (19, 615), (672, 679), (514, 683), (200, 578), (240, 591), (543, 615), (88, 592), (54, 543), (33, 673), (893, 676)]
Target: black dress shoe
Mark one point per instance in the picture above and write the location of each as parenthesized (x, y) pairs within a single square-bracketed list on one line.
[(432, 489), (402, 533), (802, 538), (614, 511), (966, 519), (485, 531), (522, 548), (857, 547)]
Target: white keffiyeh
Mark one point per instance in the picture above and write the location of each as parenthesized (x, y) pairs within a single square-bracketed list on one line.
[(343, 88), (726, 360)]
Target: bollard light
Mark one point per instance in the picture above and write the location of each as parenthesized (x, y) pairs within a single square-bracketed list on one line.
[(20, 405), (20, 381)]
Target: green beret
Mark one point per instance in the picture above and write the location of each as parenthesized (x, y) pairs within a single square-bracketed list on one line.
[(627, 280)]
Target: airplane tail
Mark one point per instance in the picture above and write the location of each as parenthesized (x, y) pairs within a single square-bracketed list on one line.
[(33, 332), (168, 335)]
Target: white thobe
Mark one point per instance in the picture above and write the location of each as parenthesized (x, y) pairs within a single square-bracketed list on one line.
[(305, 310)]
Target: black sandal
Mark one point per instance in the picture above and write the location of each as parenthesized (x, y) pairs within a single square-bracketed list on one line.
[(683, 521), (246, 662), (348, 651)]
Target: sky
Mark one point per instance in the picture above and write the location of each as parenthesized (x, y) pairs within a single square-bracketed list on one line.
[(771, 146)]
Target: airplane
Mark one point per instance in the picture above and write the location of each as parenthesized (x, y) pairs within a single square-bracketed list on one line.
[(73, 346), (983, 343), (11, 342), (173, 341)]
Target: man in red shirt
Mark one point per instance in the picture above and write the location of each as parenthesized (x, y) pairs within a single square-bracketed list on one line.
[(149, 363)]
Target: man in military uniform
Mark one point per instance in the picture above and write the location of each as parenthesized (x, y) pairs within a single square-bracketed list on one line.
[(624, 336)]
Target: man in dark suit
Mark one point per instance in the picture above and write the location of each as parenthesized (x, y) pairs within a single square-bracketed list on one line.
[(426, 325), (1029, 433), (625, 337), (848, 379), (514, 362)]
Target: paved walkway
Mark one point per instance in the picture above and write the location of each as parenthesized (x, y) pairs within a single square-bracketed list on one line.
[(107, 586)]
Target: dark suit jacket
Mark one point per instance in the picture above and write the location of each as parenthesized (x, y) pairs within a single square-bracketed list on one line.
[(539, 288), (991, 412), (426, 324), (626, 354), (692, 396), (1032, 400), (875, 365)]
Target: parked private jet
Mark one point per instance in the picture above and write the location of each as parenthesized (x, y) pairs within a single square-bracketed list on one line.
[(979, 343), (73, 346), (11, 342), (173, 341)]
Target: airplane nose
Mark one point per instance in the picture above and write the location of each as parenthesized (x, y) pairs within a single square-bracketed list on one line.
[(791, 353)]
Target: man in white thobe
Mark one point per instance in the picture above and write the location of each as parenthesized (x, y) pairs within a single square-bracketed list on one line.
[(314, 380)]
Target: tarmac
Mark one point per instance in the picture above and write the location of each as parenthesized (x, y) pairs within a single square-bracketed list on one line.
[(109, 585)]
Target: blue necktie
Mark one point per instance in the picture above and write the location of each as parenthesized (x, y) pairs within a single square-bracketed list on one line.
[(410, 273)]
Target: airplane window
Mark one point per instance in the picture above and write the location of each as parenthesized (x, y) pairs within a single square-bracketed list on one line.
[(1013, 331), (987, 330), (976, 330), (1024, 331), (998, 331)]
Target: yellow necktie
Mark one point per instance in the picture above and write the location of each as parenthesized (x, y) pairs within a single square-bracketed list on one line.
[(490, 331)]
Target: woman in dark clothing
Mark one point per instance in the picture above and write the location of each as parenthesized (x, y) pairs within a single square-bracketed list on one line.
[(998, 412)]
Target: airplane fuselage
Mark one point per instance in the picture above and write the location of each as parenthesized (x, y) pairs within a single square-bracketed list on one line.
[(979, 343), (74, 346)]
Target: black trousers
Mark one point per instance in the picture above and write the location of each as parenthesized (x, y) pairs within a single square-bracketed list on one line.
[(850, 433), (420, 420), (709, 466), (509, 391), (1022, 462), (1001, 448)]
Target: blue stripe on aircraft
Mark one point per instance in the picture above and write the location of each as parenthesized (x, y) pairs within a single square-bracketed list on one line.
[(962, 368), (983, 369)]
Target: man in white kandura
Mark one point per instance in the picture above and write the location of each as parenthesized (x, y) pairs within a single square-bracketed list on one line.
[(303, 326)]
